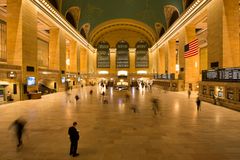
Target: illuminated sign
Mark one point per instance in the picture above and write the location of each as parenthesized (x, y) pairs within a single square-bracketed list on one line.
[(11, 74)]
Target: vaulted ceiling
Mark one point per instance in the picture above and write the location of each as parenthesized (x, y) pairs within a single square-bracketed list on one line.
[(114, 20)]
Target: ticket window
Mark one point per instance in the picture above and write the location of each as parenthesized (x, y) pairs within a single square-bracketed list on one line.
[(2, 95), (230, 94), (211, 91), (220, 92), (204, 90), (239, 95)]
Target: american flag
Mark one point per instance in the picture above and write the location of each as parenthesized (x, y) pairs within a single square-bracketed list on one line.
[(191, 49)]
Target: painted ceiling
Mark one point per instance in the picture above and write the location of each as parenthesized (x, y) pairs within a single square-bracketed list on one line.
[(96, 12)]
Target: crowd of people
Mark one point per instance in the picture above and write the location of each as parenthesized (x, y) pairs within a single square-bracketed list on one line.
[(73, 132)]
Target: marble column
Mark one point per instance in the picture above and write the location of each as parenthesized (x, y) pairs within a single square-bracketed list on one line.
[(73, 56), (22, 40), (223, 33), (171, 56), (192, 73), (132, 54), (162, 60)]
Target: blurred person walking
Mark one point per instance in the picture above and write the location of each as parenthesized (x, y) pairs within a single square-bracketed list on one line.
[(18, 125), (198, 102), (74, 137), (189, 93), (155, 107)]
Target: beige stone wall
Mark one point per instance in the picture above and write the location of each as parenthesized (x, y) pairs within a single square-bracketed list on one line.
[(223, 33), (22, 39), (62, 50), (83, 61), (29, 41), (162, 60), (132, 53), (54, 49), (231, 55), (171, 55), (203, 59), (192, 73), (73, 56), (181, 54), (14, 33), (113, 61)]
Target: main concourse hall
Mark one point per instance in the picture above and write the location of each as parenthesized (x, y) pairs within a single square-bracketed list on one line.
[(142, 79)]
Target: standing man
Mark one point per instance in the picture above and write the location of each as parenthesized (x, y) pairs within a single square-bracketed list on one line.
[(189, 93), (74, 137)]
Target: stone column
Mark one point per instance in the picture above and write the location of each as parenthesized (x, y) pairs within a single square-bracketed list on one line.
[(172, 56), (62, 51), (73, 56), (192, 72), (113, 69), (181, 75), (54, 49), (162, 60), (22, 40), (153, 62), (83, 61), (132, 54), (223, 33)]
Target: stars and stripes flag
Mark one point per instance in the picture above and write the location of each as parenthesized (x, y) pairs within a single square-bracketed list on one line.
[(191, 49)]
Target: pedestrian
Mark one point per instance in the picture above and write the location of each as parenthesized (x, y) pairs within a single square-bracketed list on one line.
[(91, 92), (214, 99), (155, 107), (77, 97), (74, 137), (68, 96), (198, 102), (134, 108), (19, 125), (127, 97), (189, 93)]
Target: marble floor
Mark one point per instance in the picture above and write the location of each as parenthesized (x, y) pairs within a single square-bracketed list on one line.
[(113, 132)]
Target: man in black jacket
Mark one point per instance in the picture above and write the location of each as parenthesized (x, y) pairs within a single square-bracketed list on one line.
[(74, 137)]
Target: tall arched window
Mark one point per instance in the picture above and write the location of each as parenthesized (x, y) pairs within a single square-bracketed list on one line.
[(103, 55), (122, 58), (188, 3), (71, 20), (54, 3), (82, 32), (141, 58), (162, 31), (173, 18)]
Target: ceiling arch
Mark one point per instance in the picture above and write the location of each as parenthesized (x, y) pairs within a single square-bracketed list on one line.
[(146, 11), (126, 29)]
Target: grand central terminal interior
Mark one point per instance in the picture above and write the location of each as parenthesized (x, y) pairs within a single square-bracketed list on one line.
[(116, 55)]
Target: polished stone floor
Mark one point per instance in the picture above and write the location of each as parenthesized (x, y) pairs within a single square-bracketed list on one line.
[(113, 132)]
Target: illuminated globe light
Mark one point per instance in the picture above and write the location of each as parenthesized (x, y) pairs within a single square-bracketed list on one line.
[(103, 72), (68, 61)]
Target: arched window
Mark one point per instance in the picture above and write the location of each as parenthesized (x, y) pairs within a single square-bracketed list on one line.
[(171, 14), (162, 31), (103, 55), (122, 58), (141, 58), (71, 20), (173, 18), (188, 3), (82, 32), (54, 3)]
